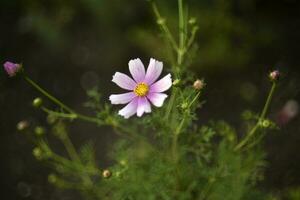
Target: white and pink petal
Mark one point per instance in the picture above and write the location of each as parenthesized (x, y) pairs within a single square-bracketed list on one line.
[(143, 106), (130, 109), (124, 81), (153, 71), (162, 85), (121, 98), (137, 70), (157, 99)]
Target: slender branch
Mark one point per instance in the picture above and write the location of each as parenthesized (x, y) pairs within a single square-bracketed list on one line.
[(180, 126), (73, 116), (180, 51), (181, 24), (192, 38), (49, 96), (257, 125), (161, 21)]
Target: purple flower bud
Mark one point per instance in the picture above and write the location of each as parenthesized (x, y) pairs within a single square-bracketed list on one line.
[(12, 68), (274, 75)]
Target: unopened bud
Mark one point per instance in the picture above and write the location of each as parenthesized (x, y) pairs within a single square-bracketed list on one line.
[(198, 84), (184, 105), (123, 162), (52, 178), (12, 68), (265, 123), (22, 125), (39, 131), (274, 75), (37, 102), (106, 173), (161, 21), (176, 82), (37, 152), (192, 20)]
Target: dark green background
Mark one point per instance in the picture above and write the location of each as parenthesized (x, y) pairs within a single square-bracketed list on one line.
[(69, 46)]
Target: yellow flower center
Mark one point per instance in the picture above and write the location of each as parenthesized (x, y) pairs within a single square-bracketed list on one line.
[(141, 89)]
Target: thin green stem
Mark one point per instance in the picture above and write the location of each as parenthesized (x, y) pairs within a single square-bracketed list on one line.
[(267, 105), (261, 117), (192, 38), (72, 116), (180, 126), (49, 96), (170, 104), (181, 24), (180, 55), (70, 148), (162, 23), (194, 99), (75, 157)]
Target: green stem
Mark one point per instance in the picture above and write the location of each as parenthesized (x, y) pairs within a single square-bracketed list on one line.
[(194, 99), (192, 38), (170, 104), (179, 128), (261, 117), (180, 51), (70, 148), (181, 24), (72, 116), (49, 96), (267, 105), (164, 27), (75, 157)]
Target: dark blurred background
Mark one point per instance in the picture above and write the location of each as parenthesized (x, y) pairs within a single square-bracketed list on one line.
[(70, 46)]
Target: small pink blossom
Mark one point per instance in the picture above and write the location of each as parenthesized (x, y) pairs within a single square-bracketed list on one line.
[(274, 75), (12, 68), (143, 88)]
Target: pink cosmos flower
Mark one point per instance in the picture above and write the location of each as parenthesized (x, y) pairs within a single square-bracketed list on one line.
[(143, 88), (12, 68)]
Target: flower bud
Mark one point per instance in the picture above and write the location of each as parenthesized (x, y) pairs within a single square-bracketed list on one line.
[(198, 84), (176, 82), (37, 102), (274, 75), (12, 68), (123, 162), (265, 123), (39, 131), (22, 125), (106, 173), (161, 21), (118, 174), (184, 105), (52, 178), (192, 20), (37, 152)]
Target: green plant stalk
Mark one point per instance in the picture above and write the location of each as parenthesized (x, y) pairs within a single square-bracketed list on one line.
[(192, 38), (261, 117), (49, 96), (75, 157), (181, 25), (164, 27), (179, 128), (73, 116), (70, 148), (170, 104)]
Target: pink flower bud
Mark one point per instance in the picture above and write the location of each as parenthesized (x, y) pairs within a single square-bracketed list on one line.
[(274, 75), (12, 68)]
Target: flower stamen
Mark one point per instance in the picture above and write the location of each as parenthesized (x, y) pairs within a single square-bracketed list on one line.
[(141, 89)]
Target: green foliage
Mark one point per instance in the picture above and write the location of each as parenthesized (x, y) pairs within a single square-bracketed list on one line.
[(166, 155)]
